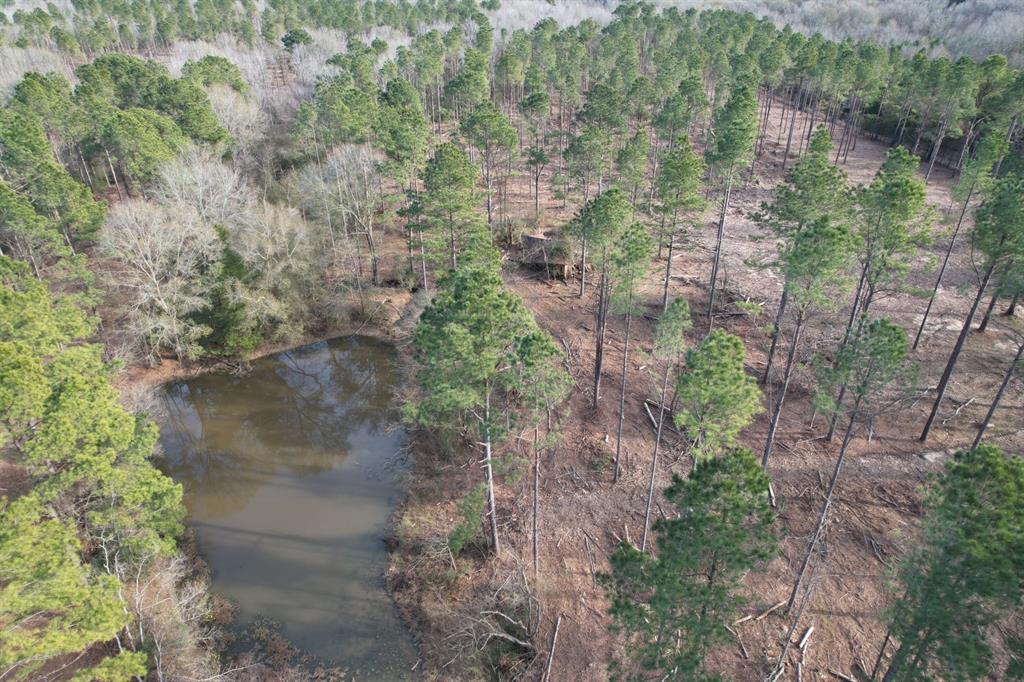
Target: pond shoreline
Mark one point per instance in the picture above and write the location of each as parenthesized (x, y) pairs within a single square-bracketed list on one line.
[(145, 381), (142, 377)]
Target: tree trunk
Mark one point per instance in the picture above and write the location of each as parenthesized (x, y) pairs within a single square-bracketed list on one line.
[(999, 396), (423, 260), (718, 246), (602, 305), (787, 374), (583, 267), (942, 270), (536, 194), (488, 183), (374, 263), (117, 184), (410, 258), (775, 333), (789, 139), (451, 238), (622, 393), (1011, 310), (654, 457), (935, 153), (955, 355), (988, 312), (819, 530), (668, 268), (489, 474), (536, 496), (881, 653), (862, 308)]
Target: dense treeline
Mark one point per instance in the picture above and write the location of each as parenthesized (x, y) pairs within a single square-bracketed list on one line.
[(224, 231), (97, 512), (975, 28)]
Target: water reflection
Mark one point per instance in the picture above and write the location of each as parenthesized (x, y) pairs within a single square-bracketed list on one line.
[(290, 477)]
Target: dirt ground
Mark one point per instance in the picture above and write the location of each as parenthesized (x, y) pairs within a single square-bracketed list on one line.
[(879, 497)]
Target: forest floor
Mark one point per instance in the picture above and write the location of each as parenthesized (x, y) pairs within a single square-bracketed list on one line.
[(583, 515)]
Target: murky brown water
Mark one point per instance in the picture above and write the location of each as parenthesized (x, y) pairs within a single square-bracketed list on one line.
[(290, 476)]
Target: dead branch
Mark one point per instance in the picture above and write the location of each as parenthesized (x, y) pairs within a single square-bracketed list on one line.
[(770, 610), (590, 558), (841, 676), (551, 654), (739, 640), (957, 412)]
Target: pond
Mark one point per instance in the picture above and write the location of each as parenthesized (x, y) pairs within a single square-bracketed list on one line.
[(291, 474)]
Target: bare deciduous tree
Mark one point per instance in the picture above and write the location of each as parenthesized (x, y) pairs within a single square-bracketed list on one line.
[(345, 192), (244, 120), (198, 180), (277, 249), (169, 258)]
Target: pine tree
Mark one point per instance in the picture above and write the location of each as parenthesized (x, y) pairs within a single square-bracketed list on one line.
[(816, 265), (588, 157), (998, 236), (967, 572), (678, 186), (93, 484), (735, 128), (536, 160), (631, 164), (478, 350), (716, 398), (449, 183), (669, 345), (893, 226), (1015, 367), (492, 134), (815, 188), (629, 264), (871, 363), (975, 179), (599, 225), (674, 607), (401, 130)]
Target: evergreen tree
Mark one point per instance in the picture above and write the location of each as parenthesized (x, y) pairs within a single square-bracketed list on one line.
[(893, 225), (716, 398), (669, 345), (629, 264), (678, 186), (631, 163), (449, 182), (870, 364), (401, 130), (599, 225), (94, 486), (814, 189), (998, 236), (816, 265), (492, 134), (735, 128), (674, 607), (588, 157), (975, 179), (536, 160), (1013, 368), (967, 572), (477, 347)]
